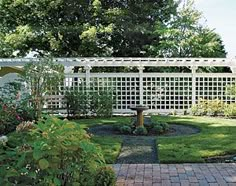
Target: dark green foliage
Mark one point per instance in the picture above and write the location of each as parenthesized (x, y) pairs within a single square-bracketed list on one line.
[(184, 36), (99, 104), (125, 129), (105, 177), (14, 106), (165, 126), (140, 131), (81, 28), (55, 152), (158, 129), (77, 103)]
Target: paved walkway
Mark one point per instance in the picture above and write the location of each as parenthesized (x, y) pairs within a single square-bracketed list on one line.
[(176, 174)]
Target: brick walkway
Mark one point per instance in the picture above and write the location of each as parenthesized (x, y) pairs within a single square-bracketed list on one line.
[(176, 174)]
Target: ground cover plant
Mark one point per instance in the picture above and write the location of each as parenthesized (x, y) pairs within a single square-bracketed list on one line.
[(217, 137)]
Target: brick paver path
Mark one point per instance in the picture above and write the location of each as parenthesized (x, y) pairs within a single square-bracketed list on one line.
[(176, 174)]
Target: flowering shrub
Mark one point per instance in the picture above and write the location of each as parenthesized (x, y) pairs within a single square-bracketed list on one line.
[(25, 126), (9, 118), (14, 106), (54, 152)]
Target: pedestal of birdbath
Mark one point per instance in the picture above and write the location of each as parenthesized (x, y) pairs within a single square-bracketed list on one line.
[(139, 109)]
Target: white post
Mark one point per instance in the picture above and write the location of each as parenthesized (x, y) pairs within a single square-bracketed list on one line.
[(194, 69), (87, 76), (233, 69), (141, 68), (68, 80)]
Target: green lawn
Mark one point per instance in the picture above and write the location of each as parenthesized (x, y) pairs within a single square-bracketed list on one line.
[(110, 146), (217, 137), (86, 123)]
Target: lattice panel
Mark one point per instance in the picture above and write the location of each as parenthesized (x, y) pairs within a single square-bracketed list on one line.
[(71, 82), (125, 89), (167, 93), (214, 87), (161, 92)]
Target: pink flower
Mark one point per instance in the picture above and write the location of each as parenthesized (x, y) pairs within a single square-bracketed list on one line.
[(18, 96), (18, 117), (4, 107)]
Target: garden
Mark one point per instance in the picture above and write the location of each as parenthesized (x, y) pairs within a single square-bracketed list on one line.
[(39, 147), (86, 69)]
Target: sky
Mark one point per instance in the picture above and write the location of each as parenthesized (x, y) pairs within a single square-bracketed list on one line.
[(221, 16)]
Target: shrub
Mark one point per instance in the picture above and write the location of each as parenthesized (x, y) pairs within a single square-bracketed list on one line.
[(25, 126), (99, 103), (158, 129), (105, 177), (77, 103), (208, 107), (215, 107), (43, 78), (102, 103), (140, 131), (125, 129), (14, 106), (165, 126), (230, 110), (59, 153)]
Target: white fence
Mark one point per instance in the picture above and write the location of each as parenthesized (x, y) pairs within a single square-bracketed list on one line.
[(161, 92)]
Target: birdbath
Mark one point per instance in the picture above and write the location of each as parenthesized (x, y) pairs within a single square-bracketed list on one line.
[(139, 109)]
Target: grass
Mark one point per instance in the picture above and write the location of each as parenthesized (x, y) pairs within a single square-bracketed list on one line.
[(86, 123), (110, 145), (217, 137)]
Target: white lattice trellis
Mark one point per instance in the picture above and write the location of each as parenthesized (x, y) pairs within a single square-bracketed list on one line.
[(161, 92)]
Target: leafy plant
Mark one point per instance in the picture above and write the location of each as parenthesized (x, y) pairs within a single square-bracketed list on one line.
[(105, 177), (59, 153), (230, 110), (165, 126), (140, 131), (208, 107), (43, 78), (102, 103), (77, 103), (158, 129), (125, 129), (14, 106), (97, 103)]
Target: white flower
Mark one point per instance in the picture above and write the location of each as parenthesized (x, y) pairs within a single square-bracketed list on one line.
[(3, 140)]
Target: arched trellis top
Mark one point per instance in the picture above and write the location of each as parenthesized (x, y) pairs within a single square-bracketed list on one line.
[(100, 61)]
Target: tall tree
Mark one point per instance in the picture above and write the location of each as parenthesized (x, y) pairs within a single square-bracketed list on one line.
[(184, 36), (81, 28)]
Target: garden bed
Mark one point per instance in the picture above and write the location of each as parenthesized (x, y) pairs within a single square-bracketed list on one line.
[(175, 130)]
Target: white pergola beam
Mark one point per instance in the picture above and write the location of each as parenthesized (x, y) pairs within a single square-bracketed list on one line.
[(116, 62)]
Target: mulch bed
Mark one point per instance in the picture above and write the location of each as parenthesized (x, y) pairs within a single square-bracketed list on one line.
[(175, 130)]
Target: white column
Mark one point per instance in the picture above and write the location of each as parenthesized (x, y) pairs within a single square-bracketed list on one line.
[(141, 68), (87, 76), (194, 69), (68, 80), (233, 69)]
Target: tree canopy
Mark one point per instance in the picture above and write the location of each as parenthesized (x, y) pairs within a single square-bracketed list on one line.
[(81, 28), (185, 36), (121, 28)]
